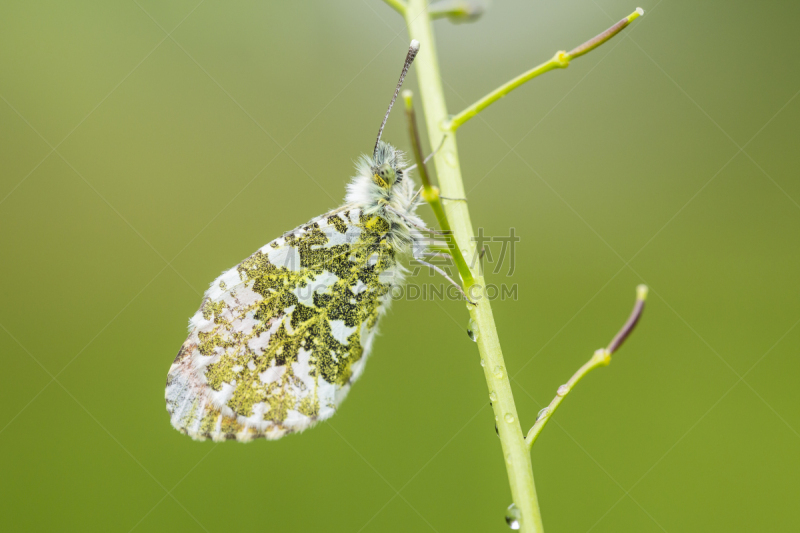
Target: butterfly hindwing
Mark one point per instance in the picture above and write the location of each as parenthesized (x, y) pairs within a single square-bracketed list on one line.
[(279, 339)]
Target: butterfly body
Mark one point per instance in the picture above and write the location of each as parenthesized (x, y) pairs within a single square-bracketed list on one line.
[(280, 338)]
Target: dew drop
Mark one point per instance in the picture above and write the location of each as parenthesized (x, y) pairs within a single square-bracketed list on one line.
[(509, 418), (473, 331), (483, 363), (499, 372), (450, 159), (563, 390), (512, 516), (541, 413), (492, 396)]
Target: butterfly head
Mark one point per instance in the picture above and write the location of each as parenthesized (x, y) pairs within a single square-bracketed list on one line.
[(382, 180), (385, 176), (386, 167)]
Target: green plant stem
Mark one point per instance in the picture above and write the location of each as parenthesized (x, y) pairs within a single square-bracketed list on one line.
[(601, 357), (431, 194), (593, 43), (560, 60), (398, 5), (456, 10), (512, 440)]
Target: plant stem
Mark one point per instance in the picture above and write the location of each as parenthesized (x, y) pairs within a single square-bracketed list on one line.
[(560, 60), (431, 194), (456, 10), (398, 5), (593, 43), (515, 451), (601, 357)]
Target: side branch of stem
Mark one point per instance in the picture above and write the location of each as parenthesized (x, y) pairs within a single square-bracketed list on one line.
[(601, 357), (456, 10), (398, 5), (560, 60)]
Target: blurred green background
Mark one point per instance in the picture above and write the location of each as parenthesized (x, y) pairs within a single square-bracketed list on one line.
[(136, 166)]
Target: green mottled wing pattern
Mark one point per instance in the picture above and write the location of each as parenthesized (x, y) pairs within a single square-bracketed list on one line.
[(279, 339)]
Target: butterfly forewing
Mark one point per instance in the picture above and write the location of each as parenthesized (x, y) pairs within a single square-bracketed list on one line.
[(279, 338)]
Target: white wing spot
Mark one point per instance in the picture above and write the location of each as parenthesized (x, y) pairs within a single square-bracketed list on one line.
[(272, 374), (220, 398), (340, 331)]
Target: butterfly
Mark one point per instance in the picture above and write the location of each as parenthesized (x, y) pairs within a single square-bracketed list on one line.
[(280, 338)]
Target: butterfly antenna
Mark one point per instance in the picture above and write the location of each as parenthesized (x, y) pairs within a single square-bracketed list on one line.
[(412, 53)]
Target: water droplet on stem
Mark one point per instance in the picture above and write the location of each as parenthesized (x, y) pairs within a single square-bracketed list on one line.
[(473, 331), (512, 516)]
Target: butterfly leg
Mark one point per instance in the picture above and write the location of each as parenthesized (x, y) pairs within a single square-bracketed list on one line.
[(414, 198), (430, 155), (448, 278), (412, 223), (436, 253)]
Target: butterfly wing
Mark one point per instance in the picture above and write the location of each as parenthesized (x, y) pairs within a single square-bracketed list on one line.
[(279, 339)]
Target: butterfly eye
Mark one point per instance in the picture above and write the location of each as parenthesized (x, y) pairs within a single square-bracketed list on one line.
[(387, 175)]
